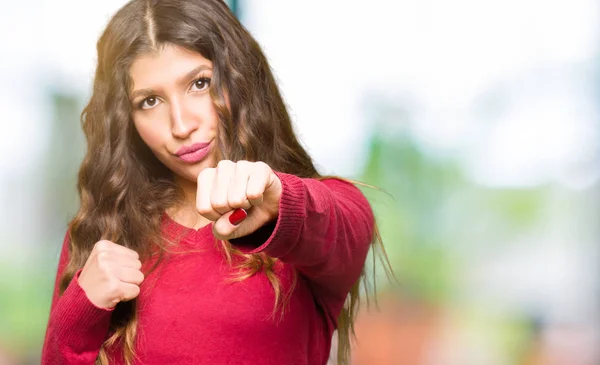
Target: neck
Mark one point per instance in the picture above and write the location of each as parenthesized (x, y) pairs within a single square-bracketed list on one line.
[(189, 189), (186, 213)]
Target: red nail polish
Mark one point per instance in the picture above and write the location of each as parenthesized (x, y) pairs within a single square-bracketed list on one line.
[(237, 216)]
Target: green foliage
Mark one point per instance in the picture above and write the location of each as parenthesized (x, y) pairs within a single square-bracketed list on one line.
[(431, 216), (26, 294)]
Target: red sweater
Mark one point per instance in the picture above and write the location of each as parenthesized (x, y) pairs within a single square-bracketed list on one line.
[(190, 313)]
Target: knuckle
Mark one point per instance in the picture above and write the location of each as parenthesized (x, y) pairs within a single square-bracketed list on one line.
[(262, 165), (134, 252), (243, 164), (254, 195), (223, 164), (101, 245), (102, 256), (204, 209), (236, 202), (106, 270), (219, 203), (135, 290), (205, 173)]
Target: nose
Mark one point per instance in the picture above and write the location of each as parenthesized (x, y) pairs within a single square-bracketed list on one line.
[(183, 122)]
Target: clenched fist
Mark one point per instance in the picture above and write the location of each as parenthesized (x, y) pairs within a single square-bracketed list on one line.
[(239, 197), (111, 274)]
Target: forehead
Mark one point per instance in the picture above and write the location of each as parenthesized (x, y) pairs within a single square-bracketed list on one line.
[(165, 65)]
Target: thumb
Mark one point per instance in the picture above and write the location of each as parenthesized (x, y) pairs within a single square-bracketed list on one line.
[(226, 227)]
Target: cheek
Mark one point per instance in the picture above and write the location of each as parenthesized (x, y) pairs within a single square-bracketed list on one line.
[(205, 112), (149, 134)]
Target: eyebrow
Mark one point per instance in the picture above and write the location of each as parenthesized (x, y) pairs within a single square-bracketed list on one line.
[(183, 79)]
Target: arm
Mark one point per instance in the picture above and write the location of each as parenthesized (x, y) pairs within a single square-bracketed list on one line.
[(76, 327), (324, 228)]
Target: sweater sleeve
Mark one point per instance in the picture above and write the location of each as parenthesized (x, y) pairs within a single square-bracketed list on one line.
[(324, 228), (76, 327)]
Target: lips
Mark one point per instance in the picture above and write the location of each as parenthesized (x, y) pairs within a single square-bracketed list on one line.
[(194, 153), (193, 148)]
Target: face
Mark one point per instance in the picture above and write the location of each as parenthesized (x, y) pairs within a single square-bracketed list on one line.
[(173, 111)]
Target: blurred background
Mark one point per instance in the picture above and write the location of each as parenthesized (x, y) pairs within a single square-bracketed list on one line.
[(479, 120)]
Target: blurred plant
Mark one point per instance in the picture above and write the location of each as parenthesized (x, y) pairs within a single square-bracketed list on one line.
[(26, 290), (437, 222)]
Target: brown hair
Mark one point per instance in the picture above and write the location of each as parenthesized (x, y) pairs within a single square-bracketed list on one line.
[(124, 189)]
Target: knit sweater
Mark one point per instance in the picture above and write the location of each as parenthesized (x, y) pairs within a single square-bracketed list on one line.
[(190, 311)]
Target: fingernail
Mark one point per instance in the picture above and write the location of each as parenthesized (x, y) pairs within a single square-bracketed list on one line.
[(237, 216)]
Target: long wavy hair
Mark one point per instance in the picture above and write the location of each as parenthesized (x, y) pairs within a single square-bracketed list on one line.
[(124, 190)]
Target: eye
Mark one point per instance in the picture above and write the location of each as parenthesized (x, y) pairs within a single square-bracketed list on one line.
[(201, 84), (148, 103)]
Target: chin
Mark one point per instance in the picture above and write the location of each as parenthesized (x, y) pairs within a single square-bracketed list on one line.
[(191, 172)]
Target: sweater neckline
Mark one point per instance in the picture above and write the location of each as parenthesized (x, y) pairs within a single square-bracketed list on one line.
[(176, 229)]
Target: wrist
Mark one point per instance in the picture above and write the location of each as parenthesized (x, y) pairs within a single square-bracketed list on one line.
[(277, 191)]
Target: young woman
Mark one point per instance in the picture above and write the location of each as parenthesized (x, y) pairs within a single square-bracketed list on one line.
[(205, 234)]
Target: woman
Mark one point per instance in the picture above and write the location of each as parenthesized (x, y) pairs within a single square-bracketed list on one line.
[(205, 234)]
